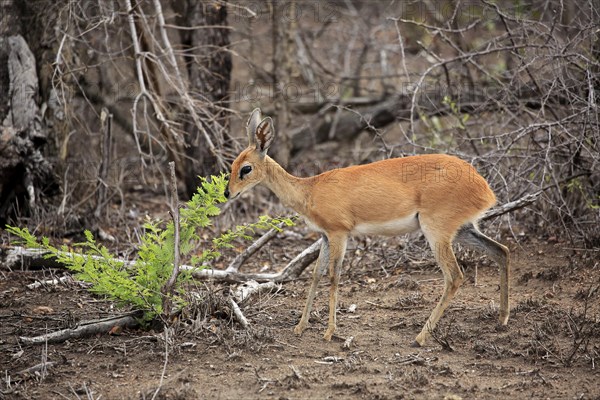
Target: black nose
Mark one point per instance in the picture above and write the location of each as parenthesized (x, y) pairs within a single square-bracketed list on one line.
[(226, 192)]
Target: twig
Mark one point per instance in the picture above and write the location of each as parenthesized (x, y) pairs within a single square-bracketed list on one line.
[(106, 120), (37, 368), (237, 262), (348, 342), (169, 286), (416, 359), (437, 28), (512, 206), (144, 93), (296, 372), (330, 360), (164, 370), (237, 313), (527, 199), (402, 54), (180, 86)]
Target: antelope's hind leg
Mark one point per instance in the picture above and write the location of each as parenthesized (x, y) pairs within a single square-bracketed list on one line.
[(440, 243), (471, 237)]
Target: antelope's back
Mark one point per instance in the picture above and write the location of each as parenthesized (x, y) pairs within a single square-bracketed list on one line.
[(436, 186)]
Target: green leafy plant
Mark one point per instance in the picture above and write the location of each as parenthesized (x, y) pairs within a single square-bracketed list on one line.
[(138, 283)]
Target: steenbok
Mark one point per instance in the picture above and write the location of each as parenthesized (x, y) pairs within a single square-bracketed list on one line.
[(439, 194)]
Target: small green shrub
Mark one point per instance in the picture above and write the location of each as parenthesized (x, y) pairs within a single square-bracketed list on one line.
[(139, 283)]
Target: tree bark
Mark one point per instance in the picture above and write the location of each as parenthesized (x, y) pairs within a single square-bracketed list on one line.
[(208, 62), (24, 172), (9, 25), (283, 25)]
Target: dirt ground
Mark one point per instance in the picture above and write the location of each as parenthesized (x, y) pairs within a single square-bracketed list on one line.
[(550, 349)]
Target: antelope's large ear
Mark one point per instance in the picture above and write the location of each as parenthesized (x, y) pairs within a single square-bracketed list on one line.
[(251, 126), (265, 132)]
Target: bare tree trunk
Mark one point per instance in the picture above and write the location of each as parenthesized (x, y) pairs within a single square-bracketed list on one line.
[(24, 172), (208, 63), (284, 24), (9, 25)]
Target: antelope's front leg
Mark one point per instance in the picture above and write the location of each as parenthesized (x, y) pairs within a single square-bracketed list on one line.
[(322, 261), (337, 249)]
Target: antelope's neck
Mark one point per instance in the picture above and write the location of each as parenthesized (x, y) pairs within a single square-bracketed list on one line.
[(292, 191)]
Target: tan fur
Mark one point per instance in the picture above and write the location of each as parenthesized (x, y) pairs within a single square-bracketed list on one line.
[(437, 193)]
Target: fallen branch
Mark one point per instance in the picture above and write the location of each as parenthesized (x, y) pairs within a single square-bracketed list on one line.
[(348, 124), (26, 258), (251, 288), (241, 258), (50, 282), (87, 328), (37, 368), (35, 258), (291, 271)]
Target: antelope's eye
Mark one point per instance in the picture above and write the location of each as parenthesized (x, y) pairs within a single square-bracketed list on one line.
[(246, 169)]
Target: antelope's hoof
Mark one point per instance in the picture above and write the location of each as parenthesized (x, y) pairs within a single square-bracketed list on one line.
[(298, 329), (419, 341)]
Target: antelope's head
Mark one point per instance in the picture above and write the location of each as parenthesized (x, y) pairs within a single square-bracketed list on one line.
[(249, 168)]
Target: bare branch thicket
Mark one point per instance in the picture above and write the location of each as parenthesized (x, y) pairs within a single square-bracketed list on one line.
[(130, 58), (550, 134), (512, 88)]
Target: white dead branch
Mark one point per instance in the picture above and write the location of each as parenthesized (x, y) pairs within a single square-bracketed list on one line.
[(50, 282), (251, 288), (237, 313)]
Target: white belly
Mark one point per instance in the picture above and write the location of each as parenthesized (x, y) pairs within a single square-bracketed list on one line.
[(388, 228)]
